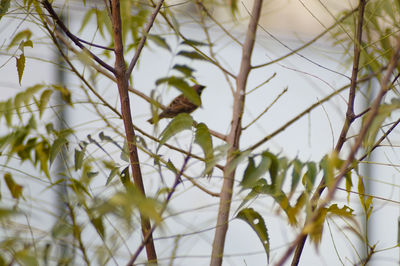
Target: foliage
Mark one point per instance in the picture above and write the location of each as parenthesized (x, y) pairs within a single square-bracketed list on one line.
[(94, 172)]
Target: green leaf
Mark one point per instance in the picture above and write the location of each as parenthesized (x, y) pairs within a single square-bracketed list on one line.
[(20, 67), (8, 110), (343, 212), (4, 6), (112, 174), (192, 55), (253, 172), (309, 177), (179, 123), (157, 39), (42, 153), (22, 35), (384, 112), (44, 100), (78, 158), (183, 86), (65, 94), (125, 152), (296, 172), (56, 147), (87, 18), (203, 138), (256, 222), (14, 188), (184, 69), (97, 222), (191, 42)]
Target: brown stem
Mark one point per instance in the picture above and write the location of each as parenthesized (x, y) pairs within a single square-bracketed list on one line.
[(350, 116), (346, 166), (144, 37), (178, 177), (46, 4), (234, 137), (123, 85)]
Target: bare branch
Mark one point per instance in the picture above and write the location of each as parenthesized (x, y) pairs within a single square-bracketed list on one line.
[(144, 37), (234, 137), (73, 38)]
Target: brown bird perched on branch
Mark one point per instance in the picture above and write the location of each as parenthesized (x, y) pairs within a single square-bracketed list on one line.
[(180, 104)]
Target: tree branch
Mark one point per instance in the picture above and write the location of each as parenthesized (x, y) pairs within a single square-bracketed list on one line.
[(234, 137), (144, 37), (46, 4), (123, 85)]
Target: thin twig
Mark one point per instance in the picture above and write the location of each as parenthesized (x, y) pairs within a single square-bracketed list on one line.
[(319, 36), (73, 38), (385, 86), (164, 207), (144, 37)]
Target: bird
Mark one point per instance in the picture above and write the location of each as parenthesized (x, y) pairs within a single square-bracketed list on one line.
[(180, 104)]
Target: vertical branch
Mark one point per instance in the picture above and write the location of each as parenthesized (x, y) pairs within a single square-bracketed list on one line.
[(350, 116), (123, 85), (234, 137)]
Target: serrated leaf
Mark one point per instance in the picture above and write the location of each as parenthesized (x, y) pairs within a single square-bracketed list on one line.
[(20, 67), (345, 211), (183, 86), (56, 148), (44, 100), (192, 55), (256, 222), (203, 138), (160, 41), (14, 188), (179, 123)]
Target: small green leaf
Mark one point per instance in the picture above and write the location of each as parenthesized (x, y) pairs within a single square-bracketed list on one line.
[(65, 94), (78, 158), (97, 222), (179, 123), (44, 100), (20, 67), (14, 188), (256, 222), (203, 138), (192, 55), (184, 69), (4, 6), (112, 174), (343, 212), (193, 43), (42, 153), (56, 147), (296, 172), (157, 39)]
